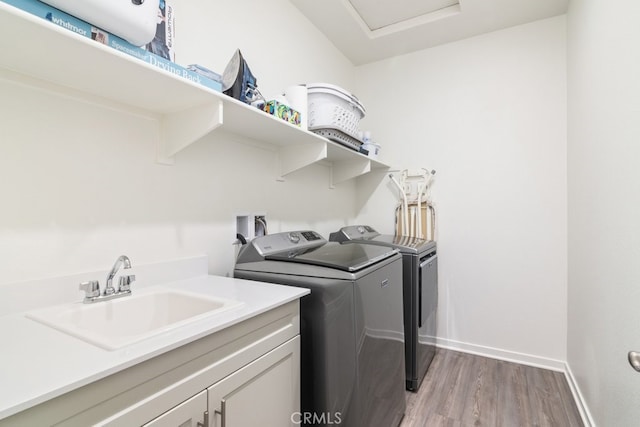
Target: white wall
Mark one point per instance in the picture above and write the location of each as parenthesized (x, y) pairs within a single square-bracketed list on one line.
[(80, 185), (489, 115), (604, 205), (281, 46)]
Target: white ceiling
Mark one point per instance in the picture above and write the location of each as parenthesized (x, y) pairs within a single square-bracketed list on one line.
[(371, 30)]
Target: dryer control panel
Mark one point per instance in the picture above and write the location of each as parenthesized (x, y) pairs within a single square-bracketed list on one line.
[(354, 232)]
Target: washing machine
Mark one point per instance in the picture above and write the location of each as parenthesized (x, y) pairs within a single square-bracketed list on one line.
[(420, 288), (352, 348)]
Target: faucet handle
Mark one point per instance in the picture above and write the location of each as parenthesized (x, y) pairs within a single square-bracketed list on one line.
[(124, 284), (91, 288)]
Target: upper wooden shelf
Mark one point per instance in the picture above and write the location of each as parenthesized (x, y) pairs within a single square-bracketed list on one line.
[(187, 111)]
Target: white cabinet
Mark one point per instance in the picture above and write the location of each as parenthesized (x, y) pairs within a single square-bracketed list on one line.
[(191, 413), (253, 367), (263, 393), (56, 59)]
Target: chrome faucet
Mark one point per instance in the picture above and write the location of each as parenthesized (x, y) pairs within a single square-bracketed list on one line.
[(92, 287), (123, 261)]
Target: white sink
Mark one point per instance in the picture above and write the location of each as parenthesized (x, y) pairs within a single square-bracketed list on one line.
[(119, 322)]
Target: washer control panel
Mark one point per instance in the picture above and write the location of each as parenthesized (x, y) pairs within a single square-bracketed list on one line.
[(280, 242)]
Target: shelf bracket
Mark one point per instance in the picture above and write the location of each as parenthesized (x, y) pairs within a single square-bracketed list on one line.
[(343, 170), (181, 129), (292, 158)]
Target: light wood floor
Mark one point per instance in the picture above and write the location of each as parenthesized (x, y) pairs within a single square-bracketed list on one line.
[(462, 390)]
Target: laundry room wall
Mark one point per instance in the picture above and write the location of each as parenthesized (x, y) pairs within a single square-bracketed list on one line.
[(604, 206), (80, 184), (488, 114)]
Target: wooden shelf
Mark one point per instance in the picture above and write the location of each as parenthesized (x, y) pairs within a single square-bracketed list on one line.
[(186, 111)]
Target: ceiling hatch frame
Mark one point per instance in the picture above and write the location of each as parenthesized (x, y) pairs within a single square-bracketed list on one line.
[(402, 25)]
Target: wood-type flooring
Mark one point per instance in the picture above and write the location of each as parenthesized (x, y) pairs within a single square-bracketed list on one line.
[(464, 390)]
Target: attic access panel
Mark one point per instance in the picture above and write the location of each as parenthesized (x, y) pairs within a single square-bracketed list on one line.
[(383, 13)]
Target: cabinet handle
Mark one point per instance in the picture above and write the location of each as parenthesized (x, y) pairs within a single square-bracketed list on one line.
[(205, 422), (222, 412)]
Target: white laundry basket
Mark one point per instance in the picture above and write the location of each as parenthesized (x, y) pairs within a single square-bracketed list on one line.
[(334, 108)]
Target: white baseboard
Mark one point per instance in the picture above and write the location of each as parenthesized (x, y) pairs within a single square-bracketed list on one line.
[(529, 360), (587, 419), (506, 355)]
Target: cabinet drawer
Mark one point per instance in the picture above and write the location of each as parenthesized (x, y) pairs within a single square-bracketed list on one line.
[(187, 414)]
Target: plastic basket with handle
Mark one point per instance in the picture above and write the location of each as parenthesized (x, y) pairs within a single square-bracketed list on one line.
[(332, 107)]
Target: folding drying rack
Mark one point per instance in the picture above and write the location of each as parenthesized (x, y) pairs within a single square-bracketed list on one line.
[(415, 214)]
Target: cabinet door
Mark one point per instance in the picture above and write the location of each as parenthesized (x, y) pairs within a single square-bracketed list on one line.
[(265, 393), (190, 413)]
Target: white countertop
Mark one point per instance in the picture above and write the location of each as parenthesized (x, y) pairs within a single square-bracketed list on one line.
[(38, 363)]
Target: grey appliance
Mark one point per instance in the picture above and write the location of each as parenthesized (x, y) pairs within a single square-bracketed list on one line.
[(420, 284), (352, 348)]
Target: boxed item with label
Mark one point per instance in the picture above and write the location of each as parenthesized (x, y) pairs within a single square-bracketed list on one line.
[(133, 21), (204, 71), (85, 29), (163, 42), (282, 111)]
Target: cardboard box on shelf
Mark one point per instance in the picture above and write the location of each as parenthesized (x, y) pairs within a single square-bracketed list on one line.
[(85, 29), (163, 42)]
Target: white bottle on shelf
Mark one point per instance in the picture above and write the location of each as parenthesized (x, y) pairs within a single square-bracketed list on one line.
[(369, 145)]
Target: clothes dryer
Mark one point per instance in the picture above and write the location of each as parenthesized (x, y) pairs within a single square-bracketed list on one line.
[(420, 290)]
